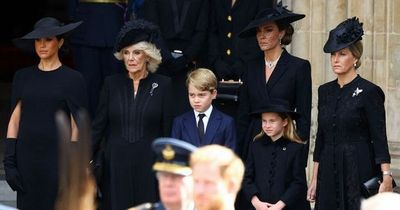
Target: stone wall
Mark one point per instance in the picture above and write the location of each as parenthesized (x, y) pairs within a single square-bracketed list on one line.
[(380, 62)]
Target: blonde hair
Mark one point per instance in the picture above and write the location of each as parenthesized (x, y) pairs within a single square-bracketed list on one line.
[(289, 130), (202, 79), (150, 50), (230, 165), (357, 50)]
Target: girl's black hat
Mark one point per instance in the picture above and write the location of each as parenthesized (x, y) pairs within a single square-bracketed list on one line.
[(277, 106)]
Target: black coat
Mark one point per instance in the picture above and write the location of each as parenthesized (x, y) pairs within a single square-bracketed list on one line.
[(351, 141), (101, 23), (183, 24), (227, 52), (290, 81), (129, 125), (274, 172)]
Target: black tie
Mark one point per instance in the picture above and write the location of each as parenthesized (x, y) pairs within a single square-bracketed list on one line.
[(200, 126)]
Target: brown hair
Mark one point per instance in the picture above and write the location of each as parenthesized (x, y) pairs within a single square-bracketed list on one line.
[(288, 28), (202, 79), (289, 132), (357, 50)]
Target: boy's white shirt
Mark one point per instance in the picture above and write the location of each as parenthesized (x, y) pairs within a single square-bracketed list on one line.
[(205, 118)]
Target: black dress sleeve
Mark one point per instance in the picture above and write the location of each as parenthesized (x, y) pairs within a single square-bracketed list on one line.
[(303, 106), (16, 92), (77, 97), (375, 114), (249, 186), (243, 118), (100, 122), (319, 141)]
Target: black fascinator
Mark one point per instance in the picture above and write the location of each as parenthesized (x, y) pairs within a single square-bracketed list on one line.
[(345, 34), (135, 31)]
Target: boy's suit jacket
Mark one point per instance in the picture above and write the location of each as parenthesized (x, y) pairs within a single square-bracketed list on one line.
[(220, 129)]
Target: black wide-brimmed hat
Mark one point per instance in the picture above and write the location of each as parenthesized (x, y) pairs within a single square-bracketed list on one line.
[(277, 106), (44, 28), (135, 31), (345, 34), (172, 155), (276, 14)]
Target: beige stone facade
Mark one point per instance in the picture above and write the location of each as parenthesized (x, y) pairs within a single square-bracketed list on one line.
[(380, 61)]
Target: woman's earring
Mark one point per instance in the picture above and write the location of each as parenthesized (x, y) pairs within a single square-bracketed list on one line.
[(355, 64)]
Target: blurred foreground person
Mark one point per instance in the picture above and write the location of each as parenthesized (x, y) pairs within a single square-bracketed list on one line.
[(174, 175), (217, 175), (382, 201), (76, 184)]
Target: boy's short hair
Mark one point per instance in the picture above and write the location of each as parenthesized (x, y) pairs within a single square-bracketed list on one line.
[(202, 79)]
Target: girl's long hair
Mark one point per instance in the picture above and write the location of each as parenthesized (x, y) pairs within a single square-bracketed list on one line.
[(289, 130)]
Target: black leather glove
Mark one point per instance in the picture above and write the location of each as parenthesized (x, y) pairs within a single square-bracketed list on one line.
[(222, 70), (10, 165), (179, 64)]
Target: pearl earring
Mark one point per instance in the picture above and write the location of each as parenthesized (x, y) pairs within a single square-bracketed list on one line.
[(355, 64)]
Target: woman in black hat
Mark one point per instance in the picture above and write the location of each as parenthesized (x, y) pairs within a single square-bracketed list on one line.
[(134, 109), (31, 152), (351, 145), (276, 74), (275, 177)]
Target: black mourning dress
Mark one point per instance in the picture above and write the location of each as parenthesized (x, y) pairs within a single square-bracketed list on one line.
[(129, 125), (351, 142), (42, 94)]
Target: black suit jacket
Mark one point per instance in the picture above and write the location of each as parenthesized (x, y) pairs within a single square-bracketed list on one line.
[(183, 23), (290, 81), (274, 172), (228, 52), (101, 23)]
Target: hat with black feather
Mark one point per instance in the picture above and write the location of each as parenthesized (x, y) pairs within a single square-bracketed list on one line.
[(345, 34), (278, 14), (135, 31)]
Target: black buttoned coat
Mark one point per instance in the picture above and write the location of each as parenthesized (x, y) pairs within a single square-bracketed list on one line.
[(290, 81), (351, 141), (183, 25), (274, 171), (227, 52)]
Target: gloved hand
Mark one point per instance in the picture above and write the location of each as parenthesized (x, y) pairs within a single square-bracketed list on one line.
[(238, 69), (222, 70), (10, 165)]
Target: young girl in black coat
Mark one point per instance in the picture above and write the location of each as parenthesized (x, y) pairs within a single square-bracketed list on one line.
[(275, 177)]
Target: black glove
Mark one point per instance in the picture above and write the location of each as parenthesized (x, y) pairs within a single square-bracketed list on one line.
[(238, 70), (10, 165), (179, 64), (222, 69)]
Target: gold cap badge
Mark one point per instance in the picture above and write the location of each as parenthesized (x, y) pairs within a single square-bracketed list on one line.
[(168, 153)]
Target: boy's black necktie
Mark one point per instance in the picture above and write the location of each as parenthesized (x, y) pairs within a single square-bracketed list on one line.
[(200, 126)]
